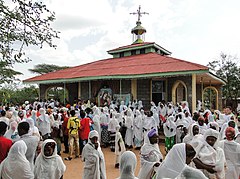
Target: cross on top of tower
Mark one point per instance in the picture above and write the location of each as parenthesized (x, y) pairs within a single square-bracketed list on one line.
[(139, 13)]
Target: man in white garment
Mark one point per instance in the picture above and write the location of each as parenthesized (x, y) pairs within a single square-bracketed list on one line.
[(30, 140)]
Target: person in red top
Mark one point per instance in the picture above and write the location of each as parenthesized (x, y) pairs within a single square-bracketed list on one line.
[(5, 144), (84, 130), (65, 118)]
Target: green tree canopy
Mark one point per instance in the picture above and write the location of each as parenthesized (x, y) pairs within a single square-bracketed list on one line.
[(226, 67), (23, 23), (46, 68)]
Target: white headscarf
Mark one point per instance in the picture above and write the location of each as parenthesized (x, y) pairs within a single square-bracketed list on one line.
[(128, 164), (190, 135), (174, 163), (16, 164), (12, 133), (49, 167)]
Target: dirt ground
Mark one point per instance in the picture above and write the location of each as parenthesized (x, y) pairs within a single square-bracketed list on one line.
[(75, 166)]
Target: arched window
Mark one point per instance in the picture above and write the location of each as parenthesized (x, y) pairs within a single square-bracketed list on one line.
[(210, 97), (179, 92)]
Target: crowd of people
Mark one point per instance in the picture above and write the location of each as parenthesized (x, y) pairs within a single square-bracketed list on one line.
[(201, 144)]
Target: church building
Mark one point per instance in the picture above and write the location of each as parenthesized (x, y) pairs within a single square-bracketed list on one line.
[(141, 71)]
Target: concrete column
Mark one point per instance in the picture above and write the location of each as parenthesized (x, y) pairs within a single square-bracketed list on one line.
[(194, 92), (134, 88)]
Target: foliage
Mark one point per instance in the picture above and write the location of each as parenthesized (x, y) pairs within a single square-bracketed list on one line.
[(7, 73), (226, 67), (12, 95), (23, 23), (46, 68)]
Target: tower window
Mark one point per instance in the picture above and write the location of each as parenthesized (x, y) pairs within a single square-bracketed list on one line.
[(133, 52), (121, 54), (142, 51)]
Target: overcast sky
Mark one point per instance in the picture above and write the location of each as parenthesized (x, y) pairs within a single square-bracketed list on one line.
[(193, 30)]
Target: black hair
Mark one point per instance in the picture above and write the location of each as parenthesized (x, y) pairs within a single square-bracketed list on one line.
[(3, 113), (82, 114), (72, 112), (24, 126), (3, 127)]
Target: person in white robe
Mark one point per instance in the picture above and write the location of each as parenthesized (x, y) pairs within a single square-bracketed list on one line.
[(202, 125), (16, 166), (224, 127), (112, 130), (119, 146), (93, 158), (138, 130), (49, 164), (30, 140), (192, 132), (43, 124), (151, 157), (170, 110), (222, 120), (140, 105), (12, 132), (210, 158), (232, 154), (33, 129), (169, 130), (96, 121), (153, 106), (129, 131), (180, 122), (34, 117), (156, 118), (128, 164), (176, 161), (122, 107), (213, 125)]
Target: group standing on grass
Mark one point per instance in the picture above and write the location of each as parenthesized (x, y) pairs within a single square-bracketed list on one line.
[(202, 144)]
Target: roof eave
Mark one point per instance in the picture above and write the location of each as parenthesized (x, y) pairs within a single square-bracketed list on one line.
[(212, 75), (133, 76)]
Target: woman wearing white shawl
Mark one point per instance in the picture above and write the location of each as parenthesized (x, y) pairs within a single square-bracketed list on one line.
[(34, 117), (169, 129), (49, 164), (138, 130), (232, 154), (43, 123), (176, 161), (150, 156), (12, 132), (119, 146), (93, 158), (128, 164), (96, 121), (129, 131), (33, 130), (16, 166), (192, 132), (210, 158)]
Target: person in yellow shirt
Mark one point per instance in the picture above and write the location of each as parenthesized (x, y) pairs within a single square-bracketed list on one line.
[(73, 126)]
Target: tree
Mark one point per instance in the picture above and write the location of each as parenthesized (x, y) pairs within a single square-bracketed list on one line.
[(226, 67), (46, 68), (23, 23), (10, 94), (7, 74)]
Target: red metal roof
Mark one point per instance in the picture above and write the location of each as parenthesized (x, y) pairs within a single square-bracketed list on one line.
[(132, 65)]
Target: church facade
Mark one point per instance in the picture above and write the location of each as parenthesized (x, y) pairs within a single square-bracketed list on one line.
[(141, 71)]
